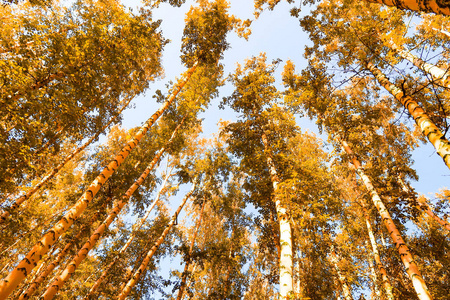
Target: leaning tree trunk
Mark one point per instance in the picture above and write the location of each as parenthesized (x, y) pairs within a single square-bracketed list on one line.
[(436, 73), (24, 234), (341, 279), (423, 205), (405, 255), (275, 237), (8, 284), (429, 129), (56, 285), (437, 6), (138, 226), (384, 278), (188, 258), (35, 272), (132, 282), (55, 170), (373, 275), (286, 265), (297, 277), (50, 267)]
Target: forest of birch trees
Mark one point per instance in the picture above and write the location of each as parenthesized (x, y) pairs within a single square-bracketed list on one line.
[(261, 208)]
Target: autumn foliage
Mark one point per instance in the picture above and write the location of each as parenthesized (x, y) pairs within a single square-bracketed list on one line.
[(263, 208)]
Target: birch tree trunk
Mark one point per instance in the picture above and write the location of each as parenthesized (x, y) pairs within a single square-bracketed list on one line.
[(40, 84), (436, 6), (442, 31), (286, 265), (373, 275), (50, 141), (297, 286), (23, 235), (429, 211), (384, 278), (50, 267), (341, 279), (405, 255), (436, 73), (132, 282), (122, 250), (8, 284), (429, 129), (188, 258)]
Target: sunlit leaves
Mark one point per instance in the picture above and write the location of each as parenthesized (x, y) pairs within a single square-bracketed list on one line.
[(204, 36)]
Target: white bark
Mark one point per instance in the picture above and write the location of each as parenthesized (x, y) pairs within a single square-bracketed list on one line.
[(436, 73), (286, 265), (341, 279), (387, 285), (373, 275)]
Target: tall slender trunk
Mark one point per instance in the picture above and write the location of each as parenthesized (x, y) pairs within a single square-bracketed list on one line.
[(405, 255), (297, 286), (286, 265), (425, 207), (384, 278), (429, 211), (429, 129), (436, 6), (95, 237), (383, 241), (8, 284), (50, 267), (138, 226), (129, 270), (39, 225), (194, 267), (436, 73), (373, 275), (276, 238), (132, 282), (6, 265), (37, 272), (188, 258), (127, 277), (38, 84), (50, 175), (341, 278)]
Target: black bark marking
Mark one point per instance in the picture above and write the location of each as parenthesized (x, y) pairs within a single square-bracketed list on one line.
[(443, 3), (53, 233), (23, 270)]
